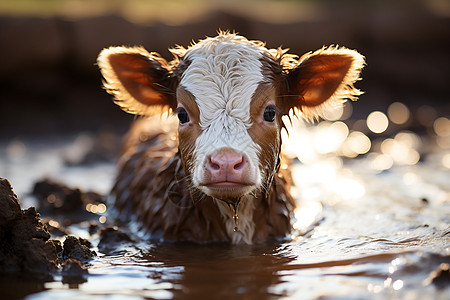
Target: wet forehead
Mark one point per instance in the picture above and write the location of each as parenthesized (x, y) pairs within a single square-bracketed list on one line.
[(222, 77)]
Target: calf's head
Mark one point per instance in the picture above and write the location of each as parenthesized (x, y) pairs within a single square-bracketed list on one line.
[(229, 94)]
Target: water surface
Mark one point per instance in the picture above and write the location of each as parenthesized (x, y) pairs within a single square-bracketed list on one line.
[(360, 233)]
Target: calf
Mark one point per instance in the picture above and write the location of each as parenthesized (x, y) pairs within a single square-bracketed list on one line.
[(217, 177)]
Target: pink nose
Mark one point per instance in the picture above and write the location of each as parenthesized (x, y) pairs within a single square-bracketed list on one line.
[(226, 165)]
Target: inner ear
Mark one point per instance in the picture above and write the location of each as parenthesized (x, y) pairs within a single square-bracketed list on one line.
[(141, 77), (317, 79), (323, 79), (138, 80)]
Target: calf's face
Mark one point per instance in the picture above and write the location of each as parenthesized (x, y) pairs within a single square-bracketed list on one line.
[(230, 94)]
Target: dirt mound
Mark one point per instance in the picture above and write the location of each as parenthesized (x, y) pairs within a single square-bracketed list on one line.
[(25, 244)]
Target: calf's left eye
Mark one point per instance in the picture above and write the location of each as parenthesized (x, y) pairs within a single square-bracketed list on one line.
[(183, 116), (269, 114)]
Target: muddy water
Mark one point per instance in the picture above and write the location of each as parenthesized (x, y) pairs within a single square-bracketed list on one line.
[(359, 234)]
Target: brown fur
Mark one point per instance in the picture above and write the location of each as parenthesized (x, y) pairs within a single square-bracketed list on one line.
[(154, 179), (152, 171)]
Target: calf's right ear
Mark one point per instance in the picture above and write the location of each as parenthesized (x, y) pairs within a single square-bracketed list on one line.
[(140, 82)]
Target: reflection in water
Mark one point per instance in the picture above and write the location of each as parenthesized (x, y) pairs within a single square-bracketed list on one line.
[(222, 270)]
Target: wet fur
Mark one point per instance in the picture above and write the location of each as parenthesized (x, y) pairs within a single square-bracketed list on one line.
[(151, 170), (155, 180)]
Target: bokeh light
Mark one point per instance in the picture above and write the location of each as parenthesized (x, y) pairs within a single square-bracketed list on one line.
[(400, 152), (380, 162), (312, 144), (348, 188), (409, 139), (330, 136), (398, 284), (357, 143), (442, 127), (336, 113), (426, 115), (338, 136), (446, 160), (398, 113), (377, 122), (96, 209), (16, 150)]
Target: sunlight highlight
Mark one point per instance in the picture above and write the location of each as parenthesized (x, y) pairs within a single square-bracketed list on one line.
[(329, 137), (334, 114), (377, 122), (96, 209), (446, 160), (442, 127), (322, 150), (398, 113), (398, 284), (349, 189), (16, 150), (400, 151), (357, 143), (307, 214), (380, 162)]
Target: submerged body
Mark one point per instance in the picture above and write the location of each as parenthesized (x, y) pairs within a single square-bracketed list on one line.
[(152, 172), (217, 176)]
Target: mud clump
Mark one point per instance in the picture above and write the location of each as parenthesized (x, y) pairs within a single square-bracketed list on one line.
[(67, 205), (77, 248), (112, 239), (24, 241), (55, 228), (25, 244)]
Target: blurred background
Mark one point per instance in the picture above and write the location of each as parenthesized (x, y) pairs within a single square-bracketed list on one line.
[(50, 85), (382, 164)]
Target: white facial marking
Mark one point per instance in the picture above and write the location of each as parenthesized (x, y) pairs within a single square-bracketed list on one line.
[(223, 74)]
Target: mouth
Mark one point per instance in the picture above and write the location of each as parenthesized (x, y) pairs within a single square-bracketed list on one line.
[(227, 190)]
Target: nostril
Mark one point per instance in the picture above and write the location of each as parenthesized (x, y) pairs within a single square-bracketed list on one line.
[(239, 164), (213, 165), (226, 162)]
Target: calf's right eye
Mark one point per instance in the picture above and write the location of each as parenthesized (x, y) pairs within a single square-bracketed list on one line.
[(269, 114), (182, 115)]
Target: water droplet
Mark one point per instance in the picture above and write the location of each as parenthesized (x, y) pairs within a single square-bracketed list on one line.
[(235, 219), (398, 284), (235, 206)]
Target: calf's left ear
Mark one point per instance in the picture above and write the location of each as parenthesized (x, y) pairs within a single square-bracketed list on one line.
[(140, 82), (323, 79)]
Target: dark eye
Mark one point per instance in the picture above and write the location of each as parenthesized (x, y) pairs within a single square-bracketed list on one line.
[(269, 114), (183, 115)]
